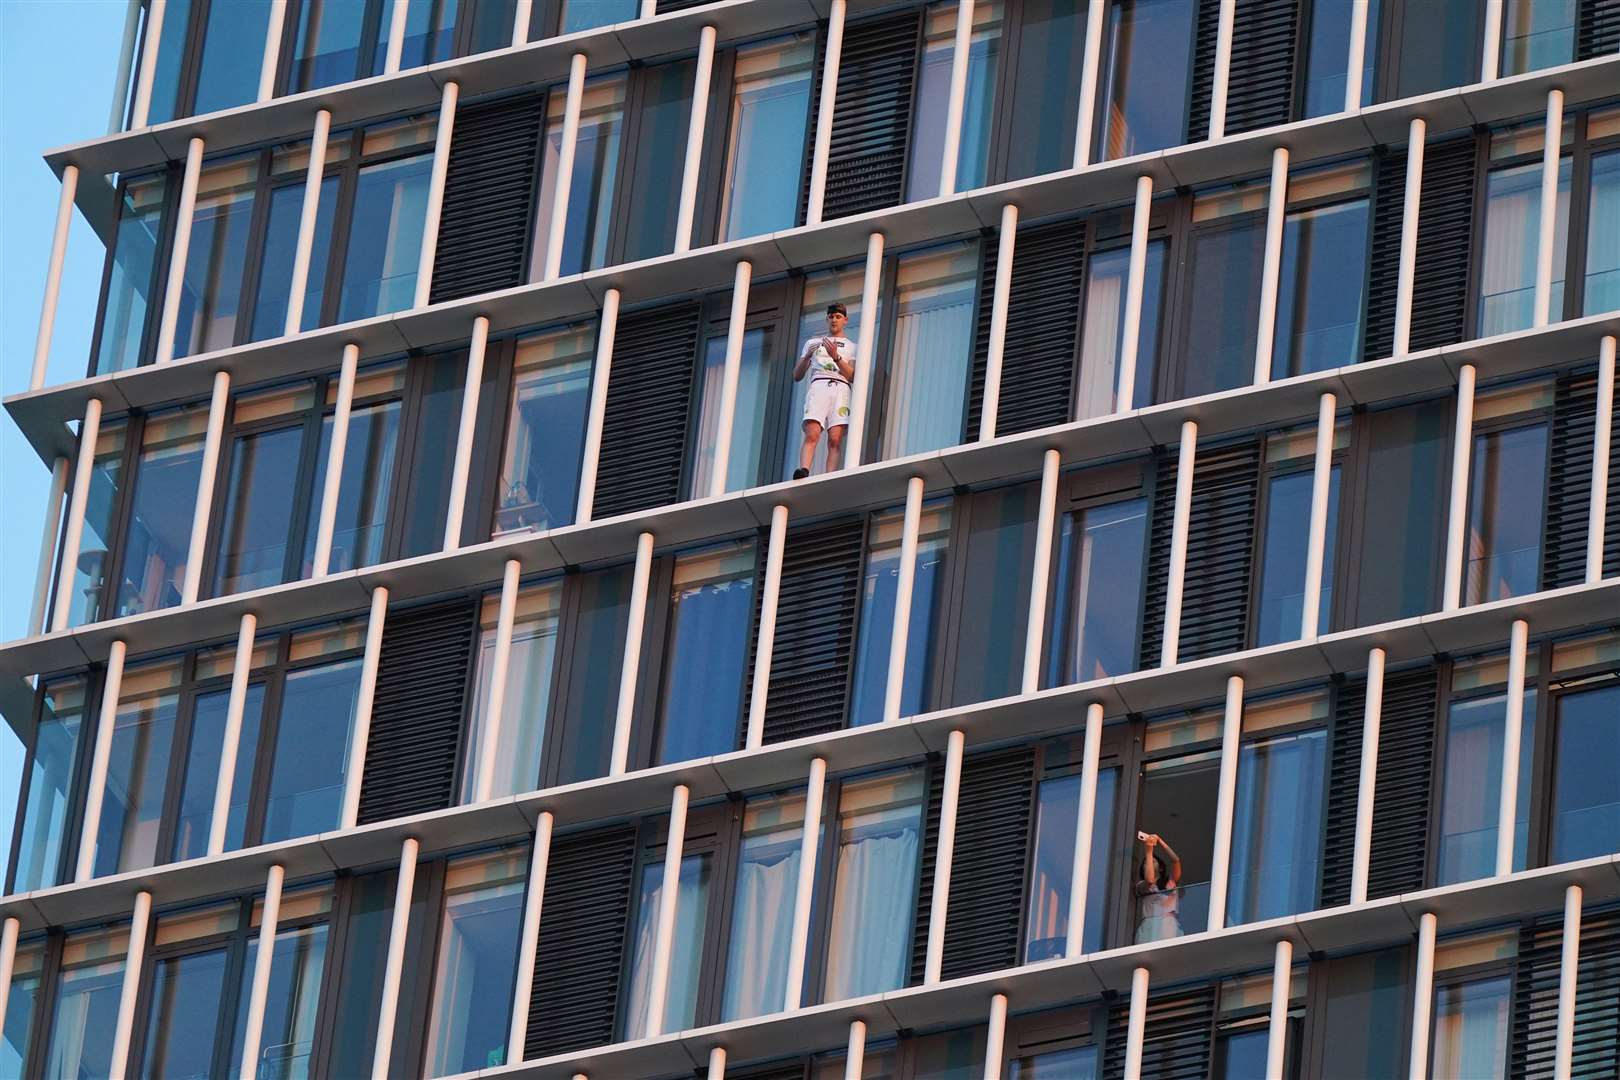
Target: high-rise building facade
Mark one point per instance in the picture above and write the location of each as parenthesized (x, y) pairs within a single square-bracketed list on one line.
[(1204, 659)]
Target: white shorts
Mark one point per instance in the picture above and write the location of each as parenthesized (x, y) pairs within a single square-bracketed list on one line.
[(827, 403)]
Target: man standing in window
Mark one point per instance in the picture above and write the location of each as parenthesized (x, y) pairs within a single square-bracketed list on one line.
[(830, 362)]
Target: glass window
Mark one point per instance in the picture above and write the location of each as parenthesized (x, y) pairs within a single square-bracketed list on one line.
[(1178, 805), (875, 884), (592, 182), (588, 14), (1287, 535), (211, 295), (100, 522), (293, 1000), (362, 956), (187, 989), (598, 646), (949, 1055), (327, 49), (767, 883), (1471, 801), (1328, 53), (770, 107), (1046, 87), (1471, 1021), (196, 813), (1101, 561), (280, 249), (686, 955), (1057, 817), (1074, 1063), (748, 421), (878, 589), (1102, 335), (1506, 481), (1402, 513), (931, 349), (1319, 301), (526, 707), (157, 539), (260, 496), (385, 238), (21, 1003), (130, 271), (363, 489), (711, 615), (310, 762), (174, 40), (933, 94), (822, 288), (1368, 1000), (50, 781), (137, 769), (1223, 315), (492, 25), (235, 33), (659, 154), (1507, 278), (430, 27), (1277, 824), (426, 495), (545, 431), (1146, 56), (1537, 34), (1603, 236), (1585, 804), (472, 981), (1439, 46), (989, 651), (85, 1020)]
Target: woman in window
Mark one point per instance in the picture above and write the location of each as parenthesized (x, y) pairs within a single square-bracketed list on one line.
[(1158, 905)]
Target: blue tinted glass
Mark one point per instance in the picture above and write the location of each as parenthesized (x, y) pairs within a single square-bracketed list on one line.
[(232, 42), (1369, 998), (545, 434), (185, 1011), (1077, 1063), (129, 279), (1470, 804), (879, 833), (1103, 337), (659, 154), (385, 238), (592, 182), (492, 23), (137, 768), (427, 488), (86, 1021), (171, 57), (767, 877), (1506, 482), (711, 617), (1603, 236), (1099, 589), (878, 593), (202, 772), (472, 982), (1242, 1054), (15, 1039), (211, 299), (769, 110), (364, 953), (589, 14), (50, 779), (1439, 46), (1223, 314), (363, 491), (1319, 298), (292, 1004), (430, 27), (157, 540), (1471, 1022), (604, 605), (327, 50), (1329, 56), (311, 758), (933, 94), (1276, 833), (1539, 34), (280, 248), (1046, 87), (1001, 548), (1057, 820), (1399, 564), (1586, 803), (1149, 56), (686, 957), (1282, 571), (258, 510), (1511, 239)]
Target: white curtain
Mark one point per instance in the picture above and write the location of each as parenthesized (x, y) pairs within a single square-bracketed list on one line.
[(1099, 347), (929, 365), (872, 901), (756, 968)]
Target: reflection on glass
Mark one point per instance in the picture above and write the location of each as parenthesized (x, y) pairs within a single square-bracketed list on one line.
[(1101, 559), (686, 958), (157, 538), (748, 422), (1282, 569), (526, 707), (1398, 568), (426, 492), (137, 768), (100, 522), (50, 778), (327, 48), (933, 95), (1439, 46), (310, 762), (129, 277), (236, 30), (1603, 236), (1075, 1063), (931, 349), (211, 294), (949, 1055), (292, 1005), (711, 607), (1277, 824), (1507, 274), (16, 1037), (1103, 331), (1537, 34), (86, 1016), (874, 885), (659, 154), (472, 980), (821, 288), (1223, 313), (1505, 482), (604, 611), (1147, 56), (1328, 53), (878, 588), (589, 14), (770, 107), (1057, 819), (994, 622), (1471, 801), (280, 248), (363, 490), (767, 881), (196, 813), (545, 434), (1046, 87), (1471, 1023), (592, 182), (362, 951), (492, 25), (385, 238), (1319, 302), (171, 58), (184, 1013), (258, 510), (1368, 1001), (1585, 801), (430, 27)]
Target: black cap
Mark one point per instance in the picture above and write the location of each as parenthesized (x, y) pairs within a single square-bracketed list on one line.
[(838, 309)]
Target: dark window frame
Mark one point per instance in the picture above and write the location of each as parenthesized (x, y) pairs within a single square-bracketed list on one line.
[(79, 771)]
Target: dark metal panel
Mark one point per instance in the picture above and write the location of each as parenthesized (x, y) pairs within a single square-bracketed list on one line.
[(1176, 1037), (877, 71), (648, 408)]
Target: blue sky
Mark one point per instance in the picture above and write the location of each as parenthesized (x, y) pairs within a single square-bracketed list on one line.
[(57, 59)]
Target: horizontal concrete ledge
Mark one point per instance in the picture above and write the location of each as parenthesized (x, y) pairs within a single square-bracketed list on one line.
[(880, 484), (1237, 950), (785, 764), (43, 415)]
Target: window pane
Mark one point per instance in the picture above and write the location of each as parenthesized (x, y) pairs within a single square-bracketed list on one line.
[(235, 34), (1057, 817), (1223, 314), (385, 238), (994, 622), (711, 615), (363, 953), (281, 247), (874, 886), (526, 707), (85, 1020), (327, 49), (1329, 52), (363, 490), (748, 422), (1471, 1027), (472, 982), (686, 957), (950, 1055), (1538, 34), (1148, 53), (1439, 46), (933, 93), (1471, 802), (878, 590), (1046, 87), (822, 288), (100, 523), (1101, 561), (196, 812), (492, 25), (129, 278), (1505, 501), (588, 14), (1103, 331), (931, 349), (545, 435), (1368, 1000), (770, 107), (659, 155), (1319, 302), (1077, 1063), (767, 882), (50, 779), (158, 536), (1282, 571), (23, 999), (1402, 517), (292, 1005), (258, 510), (592, 182), (211, 297), (1603, 236), (132, 807), (171, 58), (604, 612), (1586, 805), (1507, 278), (427, 487), (1276, 835), (430, 27), (1178, 804), (311, 760), (186, 992)]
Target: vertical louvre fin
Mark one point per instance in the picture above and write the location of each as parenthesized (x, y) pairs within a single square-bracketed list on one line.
[(872, 124), (1597, 998), (416, 717), (989, 863), (1384, 252), (1597, 29), (1445, 231), (1344, 779), (1176, 1037), (1569, 485), (925, 872), (1405, 766), (1157, 586), (1260, 91), (648, 408), (489, 193), (1203, 70), (580, 951), (1220, 551), (811, 659)]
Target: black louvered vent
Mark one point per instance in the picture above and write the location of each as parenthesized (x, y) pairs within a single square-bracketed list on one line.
[(1569, 485), (1220, 551), (1157, 585), (1043, 322), (580, 951), (1445, 229), (1384, 253), (486, 224), (776, 1070), (667, 6), (416, 717), (1261, 88), (872, 120), (989, 863), (1175, 1037), (1344, 779), (925, 871), (814, 647), (648, 406), (1597, 998), (1405, 767), (1597, 29), (1203, 70)]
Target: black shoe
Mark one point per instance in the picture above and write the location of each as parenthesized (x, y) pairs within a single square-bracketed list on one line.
[(800, 474)]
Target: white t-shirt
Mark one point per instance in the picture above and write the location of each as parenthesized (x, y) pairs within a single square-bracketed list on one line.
[(821, 365)]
